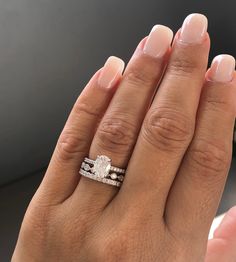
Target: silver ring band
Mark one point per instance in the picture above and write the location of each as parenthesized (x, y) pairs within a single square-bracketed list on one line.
[(101, 170)]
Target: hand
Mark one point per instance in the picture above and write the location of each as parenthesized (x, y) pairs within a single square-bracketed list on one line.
[(174, 141)]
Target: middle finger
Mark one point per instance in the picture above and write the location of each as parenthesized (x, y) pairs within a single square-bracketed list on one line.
[(169, 125)]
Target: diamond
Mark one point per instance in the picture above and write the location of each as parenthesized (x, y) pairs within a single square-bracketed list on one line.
[(86, 167), (121, 178), (102, 166), (114, 176)]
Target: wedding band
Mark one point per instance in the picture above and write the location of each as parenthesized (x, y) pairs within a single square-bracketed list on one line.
[(101, 170)]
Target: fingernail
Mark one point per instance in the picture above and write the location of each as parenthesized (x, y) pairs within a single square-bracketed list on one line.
[(227, 226), (112, 69), (158, 41), (222, 68), (193, 29)]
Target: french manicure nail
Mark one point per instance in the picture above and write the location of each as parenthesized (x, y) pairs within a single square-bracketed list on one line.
[(158, 41), (112, 69), (194, 28), (222, 68)]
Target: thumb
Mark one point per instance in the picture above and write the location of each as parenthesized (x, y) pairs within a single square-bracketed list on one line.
[(222, 247)]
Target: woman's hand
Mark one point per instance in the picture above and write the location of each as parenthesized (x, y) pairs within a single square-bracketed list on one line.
[(175, 142)]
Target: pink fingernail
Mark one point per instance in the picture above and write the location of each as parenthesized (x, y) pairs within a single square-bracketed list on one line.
[(112, 69), (222, 68), (194, 28), (158, 41), (227, 227)]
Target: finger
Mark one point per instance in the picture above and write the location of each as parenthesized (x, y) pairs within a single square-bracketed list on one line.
[(117, 132), (222, 246), (201, 178), (73, 144), (168, 127)]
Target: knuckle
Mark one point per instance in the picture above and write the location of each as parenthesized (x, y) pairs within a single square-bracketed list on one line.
[(116, 135), (118, 245), (181, 66), (71, 141), (219, 103), (167, 129), (70, 144), (138, 76), (86, 110), (209, 157)]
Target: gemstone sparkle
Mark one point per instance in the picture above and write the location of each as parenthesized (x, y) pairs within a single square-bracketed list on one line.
[(102, 166)]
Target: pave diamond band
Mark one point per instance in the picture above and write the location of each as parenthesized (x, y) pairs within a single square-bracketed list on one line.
[(103, 180), (101, 170)]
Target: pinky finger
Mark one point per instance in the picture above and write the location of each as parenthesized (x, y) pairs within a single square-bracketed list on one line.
[(74, 142)]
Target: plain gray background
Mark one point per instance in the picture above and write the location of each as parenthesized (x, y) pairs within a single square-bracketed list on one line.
[(48, 51)]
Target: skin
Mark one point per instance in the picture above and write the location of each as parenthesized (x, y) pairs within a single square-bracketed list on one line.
[(177, 149)]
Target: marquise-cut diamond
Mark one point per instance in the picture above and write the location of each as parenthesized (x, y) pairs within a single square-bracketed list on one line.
[(102, 166)]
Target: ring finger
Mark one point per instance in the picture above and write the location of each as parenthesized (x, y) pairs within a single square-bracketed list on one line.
[(119, 128)]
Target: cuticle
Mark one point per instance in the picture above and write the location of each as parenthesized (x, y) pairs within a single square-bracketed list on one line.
[(208, 79), (180, 41)]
